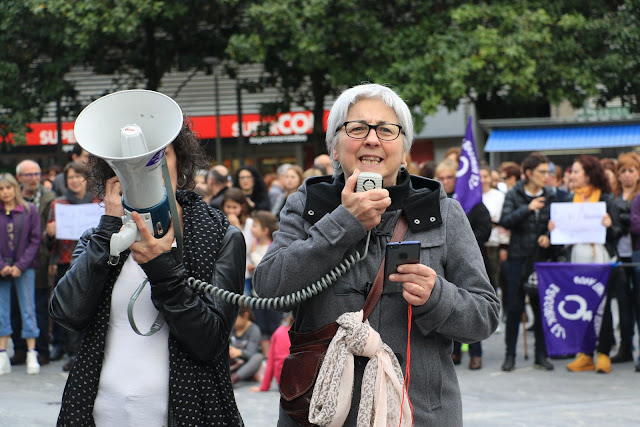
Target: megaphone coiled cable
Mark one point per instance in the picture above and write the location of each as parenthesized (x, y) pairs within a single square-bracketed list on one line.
[(285, 301)]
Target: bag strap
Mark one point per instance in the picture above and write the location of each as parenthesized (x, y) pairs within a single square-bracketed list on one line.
[(399, 232)]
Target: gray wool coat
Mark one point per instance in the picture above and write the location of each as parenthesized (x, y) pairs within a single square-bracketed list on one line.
[(317, 233)]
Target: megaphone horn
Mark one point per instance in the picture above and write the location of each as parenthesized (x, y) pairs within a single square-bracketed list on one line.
[(130, 130)]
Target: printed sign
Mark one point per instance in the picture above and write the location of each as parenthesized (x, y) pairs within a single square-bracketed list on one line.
[(73, 220)]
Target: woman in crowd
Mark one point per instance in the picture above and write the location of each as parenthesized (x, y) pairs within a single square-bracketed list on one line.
[(249, 180), (590, 184), (624, 281), (76, 193), (292, 180), (526, 214), (236, 207), (179, 375), (480, 221), (19, 244), (370, 129), (245, 354)]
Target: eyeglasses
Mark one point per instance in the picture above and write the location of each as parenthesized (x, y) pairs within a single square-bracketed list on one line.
[(245, 177), (31, 175), (360, 130)]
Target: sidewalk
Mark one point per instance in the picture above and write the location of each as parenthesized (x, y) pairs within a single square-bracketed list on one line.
[(524, 397)]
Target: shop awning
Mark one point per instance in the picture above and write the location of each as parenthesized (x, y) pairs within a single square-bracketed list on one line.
[(563, 138)]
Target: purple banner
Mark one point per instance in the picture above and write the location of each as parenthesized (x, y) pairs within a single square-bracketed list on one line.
[(468, 190), (572, 298)]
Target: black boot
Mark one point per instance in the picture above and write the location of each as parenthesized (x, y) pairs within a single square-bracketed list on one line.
[(624, 354), (509, 363), (543, 363)]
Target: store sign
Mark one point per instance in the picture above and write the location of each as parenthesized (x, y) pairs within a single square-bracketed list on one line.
[(288, 127)]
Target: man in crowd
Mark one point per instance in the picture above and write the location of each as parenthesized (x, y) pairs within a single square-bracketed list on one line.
[(277, 186), (218, 181), (28, 174), (323, 162)]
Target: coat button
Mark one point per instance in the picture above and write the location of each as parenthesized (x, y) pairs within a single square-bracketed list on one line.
[(310, 212), (416, 221), (432, 219)]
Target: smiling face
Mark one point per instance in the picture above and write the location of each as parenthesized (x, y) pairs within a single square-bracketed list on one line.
[(76, 183), (370, 154)]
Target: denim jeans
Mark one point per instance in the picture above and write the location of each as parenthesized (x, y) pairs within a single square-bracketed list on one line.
[(42, 314), (25, 287)]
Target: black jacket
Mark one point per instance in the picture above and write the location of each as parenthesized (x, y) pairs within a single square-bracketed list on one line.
[(200, 324), (525, 225)]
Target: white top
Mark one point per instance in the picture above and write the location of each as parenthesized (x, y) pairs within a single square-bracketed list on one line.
[(134, 381), (248, 240), (259, 251), (493, 200)]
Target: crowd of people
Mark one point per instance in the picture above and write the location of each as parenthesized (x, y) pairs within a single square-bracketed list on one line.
[(57, 299)]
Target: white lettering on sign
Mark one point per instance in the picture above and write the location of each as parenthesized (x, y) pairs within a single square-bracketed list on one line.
[(287, 124), (50, 137)]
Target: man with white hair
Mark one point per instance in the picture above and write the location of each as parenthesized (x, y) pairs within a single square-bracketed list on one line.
[(28, 174), (218, 182), (323, 162)]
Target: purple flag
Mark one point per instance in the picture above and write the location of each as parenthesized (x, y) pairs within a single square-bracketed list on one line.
[(468, 189), (572, 298)]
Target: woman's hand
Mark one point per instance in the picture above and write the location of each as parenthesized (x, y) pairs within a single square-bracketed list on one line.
[(51, 228), (15, 272), (417, 280), (149, 247), (606, 220), (366, 206), (6, 271), (113, 197), (544, 241), (234, 353), (551, 226)]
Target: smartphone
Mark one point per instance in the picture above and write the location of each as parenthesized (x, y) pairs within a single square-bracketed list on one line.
[(368, 181), (399, 253)]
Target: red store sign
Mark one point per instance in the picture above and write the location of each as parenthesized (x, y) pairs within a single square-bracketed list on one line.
[(292, 123)]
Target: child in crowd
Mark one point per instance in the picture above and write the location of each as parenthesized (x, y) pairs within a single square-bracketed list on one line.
[(245, 357), (236, 208), (264, 225), (278, 351)]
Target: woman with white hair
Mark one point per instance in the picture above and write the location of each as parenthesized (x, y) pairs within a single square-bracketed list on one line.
[(447, 295)]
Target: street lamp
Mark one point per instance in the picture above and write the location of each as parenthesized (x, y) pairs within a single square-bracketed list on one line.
[(214, 62)]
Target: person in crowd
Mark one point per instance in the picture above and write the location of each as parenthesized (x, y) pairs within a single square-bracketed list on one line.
[(323, 162), (495, 178), (249, 180), (525, 213), (623, 280), (480, 221), (554, 180), (245, 356), (264, 225), (278, 351), (370, 129), (635, 257), (201, 188), (218, 182), (277, 186), (28, 174), (76, 193), (453, 154), (428, 169), (566, 180), (292, 180), (179, 375), (78, 155), (610, 170), (510, 173), (20, 239), (236, 207), (498, 241), (590, 185), (309, 172)]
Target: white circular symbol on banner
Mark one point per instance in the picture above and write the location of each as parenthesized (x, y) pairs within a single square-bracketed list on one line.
[(463, 167), (580, 314)]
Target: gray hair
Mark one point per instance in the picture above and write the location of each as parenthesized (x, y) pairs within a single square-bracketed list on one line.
[(349, 97), (24, 163), (283, 168)]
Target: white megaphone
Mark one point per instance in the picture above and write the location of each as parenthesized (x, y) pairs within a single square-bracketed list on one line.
[(130, 131)]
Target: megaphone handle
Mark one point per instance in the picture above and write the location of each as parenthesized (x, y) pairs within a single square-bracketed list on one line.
[(173, 207)]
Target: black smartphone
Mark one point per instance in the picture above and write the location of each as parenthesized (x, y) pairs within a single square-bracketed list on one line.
[(399, 253)]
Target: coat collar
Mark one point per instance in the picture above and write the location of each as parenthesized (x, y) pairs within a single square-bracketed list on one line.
[(419, 199)]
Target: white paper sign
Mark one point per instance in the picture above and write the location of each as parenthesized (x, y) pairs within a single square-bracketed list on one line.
[(73, 220), (578, 223)]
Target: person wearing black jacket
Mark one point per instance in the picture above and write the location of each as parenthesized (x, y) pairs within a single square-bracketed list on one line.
[(480, 221), (179, 375), (526, 213)]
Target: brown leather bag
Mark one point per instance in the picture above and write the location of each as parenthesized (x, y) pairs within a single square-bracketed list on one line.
[(301, 367)]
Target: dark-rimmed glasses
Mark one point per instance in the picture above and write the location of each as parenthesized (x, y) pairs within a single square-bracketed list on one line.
[(360, 130)]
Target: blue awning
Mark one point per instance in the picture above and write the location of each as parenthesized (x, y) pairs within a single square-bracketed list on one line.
[(563, 138)]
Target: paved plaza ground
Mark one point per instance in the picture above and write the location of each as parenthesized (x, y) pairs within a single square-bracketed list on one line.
[(524, 397)]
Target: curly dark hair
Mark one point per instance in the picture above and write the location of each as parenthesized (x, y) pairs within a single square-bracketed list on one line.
[(594, 172), (260, 192), (190, 156)]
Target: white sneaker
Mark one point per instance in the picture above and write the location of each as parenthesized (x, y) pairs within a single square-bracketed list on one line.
[(33, 367), (5, 364)]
